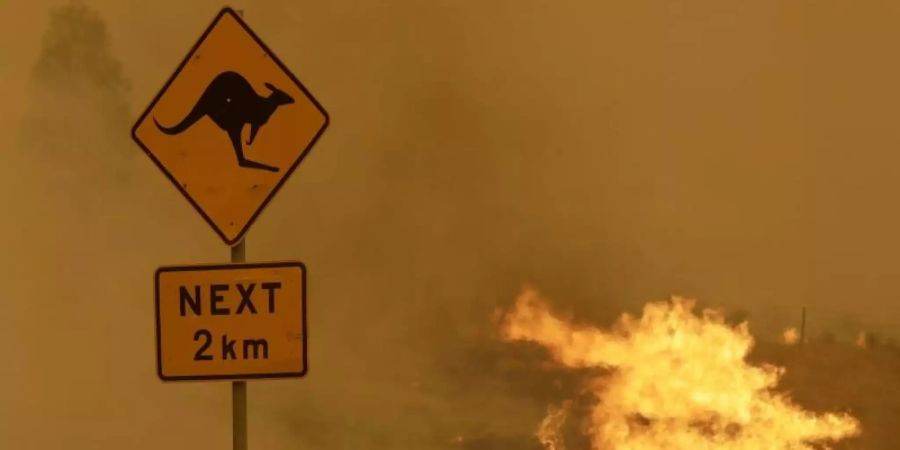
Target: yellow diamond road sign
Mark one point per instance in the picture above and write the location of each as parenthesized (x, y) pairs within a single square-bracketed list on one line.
[(230, 126)]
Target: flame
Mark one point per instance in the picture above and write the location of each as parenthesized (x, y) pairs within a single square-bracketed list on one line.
[(862, 340), (791, 336), (675, 381), (549, 431)]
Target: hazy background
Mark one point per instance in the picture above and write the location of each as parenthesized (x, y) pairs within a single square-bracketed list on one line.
[(608, 153)]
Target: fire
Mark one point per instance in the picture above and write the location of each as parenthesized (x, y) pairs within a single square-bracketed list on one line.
[(673, 380), (862, 340), (791, 336), (549, 430)]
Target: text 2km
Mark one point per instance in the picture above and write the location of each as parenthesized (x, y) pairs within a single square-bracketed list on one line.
[(191, 301)]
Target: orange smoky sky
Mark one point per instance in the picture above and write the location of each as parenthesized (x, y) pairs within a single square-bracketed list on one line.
[(610, 153)]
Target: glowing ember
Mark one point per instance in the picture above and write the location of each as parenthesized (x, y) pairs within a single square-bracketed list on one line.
[(791, 336), (676, 381)]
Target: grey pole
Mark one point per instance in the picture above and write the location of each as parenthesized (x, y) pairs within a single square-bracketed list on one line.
[(803, 325), (239, 388)]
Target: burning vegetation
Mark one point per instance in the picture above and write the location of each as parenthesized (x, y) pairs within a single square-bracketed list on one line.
[(672, 379)]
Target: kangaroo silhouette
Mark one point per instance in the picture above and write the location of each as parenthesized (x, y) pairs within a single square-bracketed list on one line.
[(231, 102)]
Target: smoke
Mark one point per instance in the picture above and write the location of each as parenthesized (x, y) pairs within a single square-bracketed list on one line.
[(608, 152), (79, 337), (78, 100)]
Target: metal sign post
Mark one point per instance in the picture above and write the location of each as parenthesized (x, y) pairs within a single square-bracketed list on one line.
[(239, 388)]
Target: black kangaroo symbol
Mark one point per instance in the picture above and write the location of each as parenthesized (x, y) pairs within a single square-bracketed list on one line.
[(231, 103)]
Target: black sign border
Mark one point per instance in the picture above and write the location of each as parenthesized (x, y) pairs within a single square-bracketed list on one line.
[(288, 173), (232, 266)]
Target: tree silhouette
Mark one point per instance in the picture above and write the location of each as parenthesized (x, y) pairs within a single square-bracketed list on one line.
[(78, 114)]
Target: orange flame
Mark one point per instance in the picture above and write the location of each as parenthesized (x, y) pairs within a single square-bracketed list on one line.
[(549, 430), (677, 381), (862, 340), (791, 336)]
